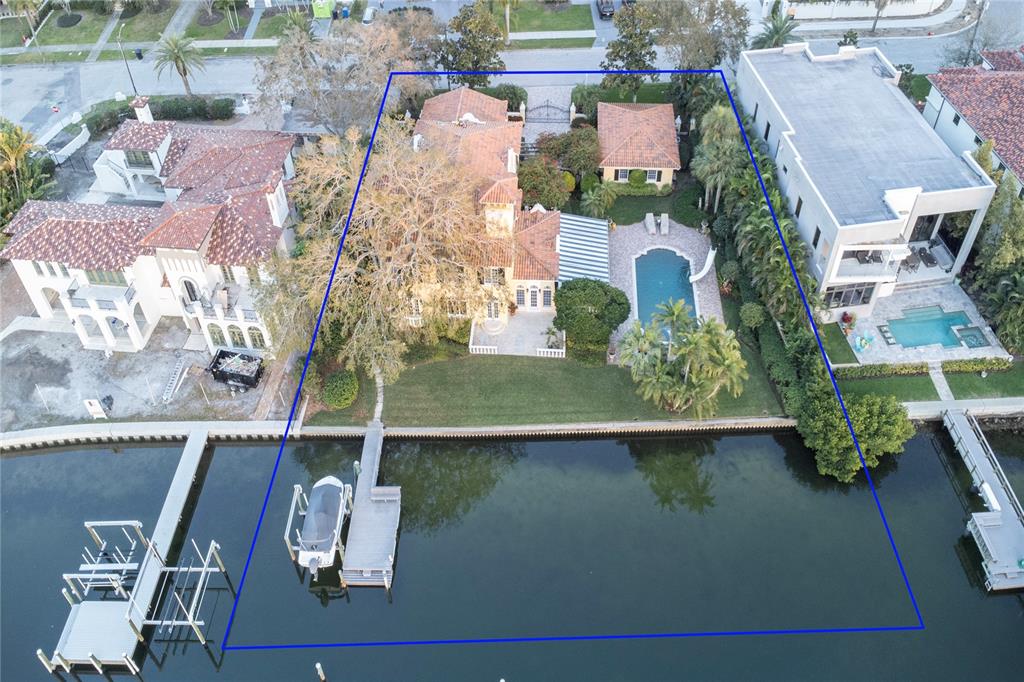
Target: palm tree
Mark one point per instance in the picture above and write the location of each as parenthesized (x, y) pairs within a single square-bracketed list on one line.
[(718, 125), (230, 11), (598, 200), (509, 6), (640, 349), (29, 9), (775, 32), (297, 20), (15, 146), (879, 6), (1006, 303), (180, 53)]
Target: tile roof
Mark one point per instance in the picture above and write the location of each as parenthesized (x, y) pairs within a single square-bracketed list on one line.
[(1005, 60), (85, 236), (182, 225), (214, 159), (454, 104), (992, 102), (133, 134), (536, 235), (482, 149), (244, 233), (637, 136)]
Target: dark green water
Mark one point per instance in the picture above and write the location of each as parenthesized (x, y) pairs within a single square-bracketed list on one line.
[(552, 539)]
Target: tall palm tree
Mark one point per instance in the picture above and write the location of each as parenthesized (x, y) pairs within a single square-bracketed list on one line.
[(509, 6), (297, 19), (775, 32), (880, 5), (180, 53), (29, 9), (718, 125), (598, 200), (15, 146)]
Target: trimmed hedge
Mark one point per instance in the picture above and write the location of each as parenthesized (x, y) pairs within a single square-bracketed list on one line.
[(880, 370), (977, 365), (341, 389), (108, 115), (781, 368), (648, 189)]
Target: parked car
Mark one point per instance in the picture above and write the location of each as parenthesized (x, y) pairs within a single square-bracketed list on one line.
[(369, 14), (606, 8)]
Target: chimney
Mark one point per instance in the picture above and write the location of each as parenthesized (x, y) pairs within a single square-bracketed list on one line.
[(416, 142), (141, 107), (513, 162)]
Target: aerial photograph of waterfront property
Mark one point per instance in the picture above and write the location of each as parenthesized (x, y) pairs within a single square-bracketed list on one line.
[(511, 340)]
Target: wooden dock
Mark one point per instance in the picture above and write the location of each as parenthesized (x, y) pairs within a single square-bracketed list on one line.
[(105, 633), (373, 528), (998, 532)]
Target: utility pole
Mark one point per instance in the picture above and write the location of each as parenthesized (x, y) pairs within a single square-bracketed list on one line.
[(125, 60), (974, 34)]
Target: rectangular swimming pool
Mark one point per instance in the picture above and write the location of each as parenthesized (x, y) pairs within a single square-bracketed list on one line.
[(927, 326), (662, 275)]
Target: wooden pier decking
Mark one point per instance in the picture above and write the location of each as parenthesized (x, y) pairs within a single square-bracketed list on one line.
[(373, 529), (105, 633), (998, 532)]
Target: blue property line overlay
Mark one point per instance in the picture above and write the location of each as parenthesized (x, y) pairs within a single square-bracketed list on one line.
[(568, 638)]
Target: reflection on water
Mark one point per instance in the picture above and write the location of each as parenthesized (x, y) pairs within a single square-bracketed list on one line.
[(674, 471)]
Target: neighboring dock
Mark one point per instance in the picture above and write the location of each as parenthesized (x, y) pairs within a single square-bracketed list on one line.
[(998, 532), (373, 529)]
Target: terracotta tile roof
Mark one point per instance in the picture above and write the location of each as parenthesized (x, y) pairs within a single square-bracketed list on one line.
[(86, 236), (1005, 60), (244, 232), (213, 159), (637, 136), (482, 149), (536, 235), (182, 225), (133, 134), (454, 104), (992, 102)]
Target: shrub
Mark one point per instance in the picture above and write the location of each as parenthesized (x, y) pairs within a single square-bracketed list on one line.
[(752, 315), (588, 311), (579, 122), (458, 331), (222, 108), (722, 228), (586, 97), (880, 370), (589, 182), (644, 190), (180, 108), (570, 180), (340, 389), (511, 93), (542, 183), (637, 177), (106, 116), (781, 368), (729, 271), (977, 365)]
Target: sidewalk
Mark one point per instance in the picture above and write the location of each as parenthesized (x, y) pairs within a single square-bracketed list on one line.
[(979, 407), (551, 35), (255, 42), (941, 22)]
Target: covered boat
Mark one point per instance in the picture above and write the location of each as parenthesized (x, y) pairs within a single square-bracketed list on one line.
[(320, 538)]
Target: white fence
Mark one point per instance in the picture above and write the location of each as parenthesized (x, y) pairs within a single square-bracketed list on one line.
[(65, 152), (483, 350), (550, 352)]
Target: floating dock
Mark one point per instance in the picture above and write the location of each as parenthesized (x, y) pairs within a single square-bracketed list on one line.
[(105, 632), (998, 532), (373, 527)]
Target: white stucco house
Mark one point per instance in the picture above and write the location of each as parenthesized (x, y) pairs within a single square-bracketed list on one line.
[(115, 270), (868, 181)]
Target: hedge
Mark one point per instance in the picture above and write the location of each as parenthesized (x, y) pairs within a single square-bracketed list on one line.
[(781, 368), (977, 365), (340, 389), (880, 370), (648, 189), (107, 115)]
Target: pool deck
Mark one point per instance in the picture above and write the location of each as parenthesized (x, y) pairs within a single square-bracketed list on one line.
[(626, 242), (952, 299)]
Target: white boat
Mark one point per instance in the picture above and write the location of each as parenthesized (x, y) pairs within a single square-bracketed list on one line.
[(320, 538)]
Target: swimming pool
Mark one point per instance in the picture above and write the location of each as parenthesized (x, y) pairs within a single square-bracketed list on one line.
[(927, 326), (661, 275)]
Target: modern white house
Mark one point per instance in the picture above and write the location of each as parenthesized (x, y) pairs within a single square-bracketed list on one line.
[(868, 182), (115, 270), (969, 106)]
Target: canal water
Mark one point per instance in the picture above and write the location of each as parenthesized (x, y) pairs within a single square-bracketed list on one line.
[(552, 538)]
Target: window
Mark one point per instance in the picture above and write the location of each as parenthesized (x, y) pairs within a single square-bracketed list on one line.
[(654, 176), (767, 129), (50, 269), (493, 309), (977, 140), (547, 298), (415, 307), (494, 276), (227, 273), (253, 273), (256, 336), (533, 297), (817, 236), (622, 174), (799, 207), (457, 308), (138, 159), (216, 335), (785, 170), (849, 295), (63, 270), (757, 105), (1020, 194), (107, 277), (956, 119), (38, 268), (520, 296), (237, 337), (1002, 167)]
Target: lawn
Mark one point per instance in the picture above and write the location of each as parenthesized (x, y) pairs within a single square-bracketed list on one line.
[(34, 57), (217, 31), (836, 345), (681, 205), (145, 26), (214, 52), (550, 43), (758, 395), (272, 27), (85, 32), (650, 93), (996, 385), (536, 16), (11, 31), (111, 55), (905, 388)]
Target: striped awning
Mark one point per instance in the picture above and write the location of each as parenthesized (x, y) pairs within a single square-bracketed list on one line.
[(582, 248)]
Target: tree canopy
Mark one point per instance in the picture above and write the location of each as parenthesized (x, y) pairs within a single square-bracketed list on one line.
[(475, 45), (576, 151), (701, 34), (588, 311), (22, 176), (542, 183), (632, 50)]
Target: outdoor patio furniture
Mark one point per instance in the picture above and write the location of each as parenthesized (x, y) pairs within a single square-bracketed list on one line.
[(876, 256), (649, 222), (887, 336), (863, 258), (664, 223), (926, 256), (912, 262)]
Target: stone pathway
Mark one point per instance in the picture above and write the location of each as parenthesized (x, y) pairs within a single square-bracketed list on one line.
[(94, 54), (250, 30), (939, 379), (181, 19)]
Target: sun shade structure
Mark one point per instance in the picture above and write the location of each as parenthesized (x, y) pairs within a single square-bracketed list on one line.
[(582, 248)]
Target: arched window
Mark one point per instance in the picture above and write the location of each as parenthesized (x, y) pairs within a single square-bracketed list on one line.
[(256, 337), (191, 293), (493, 309), (236, 336), (216, 335)]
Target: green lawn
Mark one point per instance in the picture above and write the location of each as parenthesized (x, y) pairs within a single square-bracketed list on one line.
[(213, 52), (218, 31), (536, 16), (11, 31), (86, 31), (145, 26), (836, 345), (996, 385), (758, 395), (905, 388), (681, 205), (650, 93), (550, 43), (271, 27), (34, 57), (110, 55)]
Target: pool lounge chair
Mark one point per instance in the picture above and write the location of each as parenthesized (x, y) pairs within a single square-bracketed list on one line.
[(887, 336), (926, 256), (649, 222), (664, 223)]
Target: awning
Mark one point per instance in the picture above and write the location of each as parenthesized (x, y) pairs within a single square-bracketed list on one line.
[(582, 248)]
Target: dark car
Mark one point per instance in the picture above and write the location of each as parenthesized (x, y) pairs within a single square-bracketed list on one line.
[(627, 3), (606, 8)]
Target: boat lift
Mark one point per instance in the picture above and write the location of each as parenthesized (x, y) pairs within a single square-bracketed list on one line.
[(324, 519)]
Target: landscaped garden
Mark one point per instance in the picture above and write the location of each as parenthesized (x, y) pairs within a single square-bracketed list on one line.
[(681, 205), (145, 26), (86, 31), (836, 345), (910, 388), (12, 29), (532, 15), (995, 384), (219, 26)]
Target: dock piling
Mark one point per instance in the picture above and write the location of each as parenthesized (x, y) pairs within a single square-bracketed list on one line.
[(50, 667), (320, 672)]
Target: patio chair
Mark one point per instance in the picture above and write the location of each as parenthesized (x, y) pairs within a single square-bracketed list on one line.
[(862, 257), (926, 256), (912, 262), (876, 256), (664, 223), (649, 222)]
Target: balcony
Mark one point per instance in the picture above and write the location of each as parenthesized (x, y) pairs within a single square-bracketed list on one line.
[(100, 296), (235, 305)]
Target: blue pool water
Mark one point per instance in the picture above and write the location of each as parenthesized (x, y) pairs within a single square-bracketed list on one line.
[(926, 326), (661, 275)]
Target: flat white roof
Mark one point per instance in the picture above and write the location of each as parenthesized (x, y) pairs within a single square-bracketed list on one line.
[(855, 132)]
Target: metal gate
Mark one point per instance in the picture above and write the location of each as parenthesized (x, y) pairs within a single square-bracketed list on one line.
[(548, 112)]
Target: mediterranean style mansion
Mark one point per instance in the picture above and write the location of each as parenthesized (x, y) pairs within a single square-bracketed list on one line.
[(115, 270)]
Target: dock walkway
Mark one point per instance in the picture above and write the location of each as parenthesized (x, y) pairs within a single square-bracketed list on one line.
[(373, 529), (998, 532)]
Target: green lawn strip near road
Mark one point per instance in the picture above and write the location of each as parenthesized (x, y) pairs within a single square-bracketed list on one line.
[(836, 345), (996, 385), (86, 31), (109, 55), (145, 26), (214, 52), (905, 388), (35, 57), (532, 15), (218, 31), (550, 43), (11, 31), (649, 93)]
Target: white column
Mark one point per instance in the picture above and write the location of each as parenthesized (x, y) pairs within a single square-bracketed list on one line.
[(104, 326), (972, 233)]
